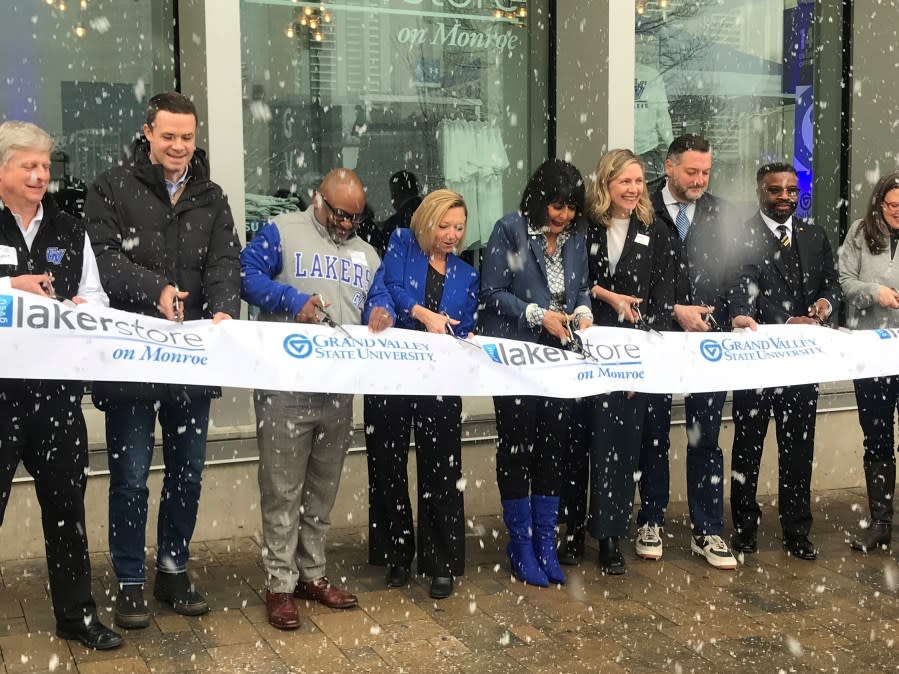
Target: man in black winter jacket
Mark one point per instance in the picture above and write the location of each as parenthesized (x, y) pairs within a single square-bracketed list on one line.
[(46, 252), (166, 246)]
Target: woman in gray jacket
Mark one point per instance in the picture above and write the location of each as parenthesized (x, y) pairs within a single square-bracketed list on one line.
[(869, 274)]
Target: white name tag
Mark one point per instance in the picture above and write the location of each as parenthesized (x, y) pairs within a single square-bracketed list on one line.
[(8, 255), (358, 257), (642, 239)]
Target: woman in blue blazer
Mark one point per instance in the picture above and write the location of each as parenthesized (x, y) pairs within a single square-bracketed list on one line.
[(420, 285), (534, 288)]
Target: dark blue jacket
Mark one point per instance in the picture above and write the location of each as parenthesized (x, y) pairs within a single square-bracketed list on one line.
[(513, 275), (400, 281)]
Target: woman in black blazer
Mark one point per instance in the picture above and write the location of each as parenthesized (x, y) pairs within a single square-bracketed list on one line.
[(632, 267)]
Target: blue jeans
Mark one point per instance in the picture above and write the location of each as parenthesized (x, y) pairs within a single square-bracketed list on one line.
[(130, 439), (705, 462)]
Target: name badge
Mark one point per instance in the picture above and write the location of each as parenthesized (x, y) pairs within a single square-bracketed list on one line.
[(642, 239), (358, 257), (8, 255)]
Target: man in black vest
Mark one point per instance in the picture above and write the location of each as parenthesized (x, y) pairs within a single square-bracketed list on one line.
[(46, 252), (789, 276), (702, 228)]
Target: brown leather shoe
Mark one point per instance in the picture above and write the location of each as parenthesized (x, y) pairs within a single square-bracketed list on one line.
[(281, 610), (324, 593)]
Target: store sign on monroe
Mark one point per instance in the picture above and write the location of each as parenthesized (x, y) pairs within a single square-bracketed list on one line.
[(454, 35)]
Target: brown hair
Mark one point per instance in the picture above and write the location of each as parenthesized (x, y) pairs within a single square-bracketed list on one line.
[(874, 228)]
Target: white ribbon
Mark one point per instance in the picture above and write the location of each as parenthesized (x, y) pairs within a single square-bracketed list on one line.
[(43, 339)]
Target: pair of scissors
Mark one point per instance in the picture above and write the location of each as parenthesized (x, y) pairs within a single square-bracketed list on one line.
[(449, 330), (576, 345), (641, 322), (325, 317)]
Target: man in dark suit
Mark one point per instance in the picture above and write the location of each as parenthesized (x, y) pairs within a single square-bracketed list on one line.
[(789, 276), (701, 228)]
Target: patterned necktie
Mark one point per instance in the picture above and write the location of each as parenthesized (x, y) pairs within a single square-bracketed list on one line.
[(682, 222), (784, 236)]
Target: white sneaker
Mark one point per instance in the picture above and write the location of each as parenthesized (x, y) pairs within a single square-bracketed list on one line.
[(715, 551), (649, 541)]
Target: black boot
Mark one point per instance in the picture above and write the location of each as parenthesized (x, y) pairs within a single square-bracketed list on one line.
[(880, 477), (611, 561), (573, 549)]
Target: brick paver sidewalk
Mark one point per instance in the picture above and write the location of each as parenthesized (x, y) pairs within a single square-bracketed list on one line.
[(772, 614)]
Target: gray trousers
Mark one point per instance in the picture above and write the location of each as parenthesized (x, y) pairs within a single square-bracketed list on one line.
[(303, 439)]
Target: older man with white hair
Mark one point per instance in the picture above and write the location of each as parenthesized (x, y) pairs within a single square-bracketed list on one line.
[(46, 252)]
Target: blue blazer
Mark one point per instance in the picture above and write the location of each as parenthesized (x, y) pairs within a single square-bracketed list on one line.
[(399, 285), (513, 275)]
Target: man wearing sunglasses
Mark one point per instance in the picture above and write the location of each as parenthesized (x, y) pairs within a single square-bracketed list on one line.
[(307, 267)]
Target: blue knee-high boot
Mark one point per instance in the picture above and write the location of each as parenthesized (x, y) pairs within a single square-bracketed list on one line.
[(517, 516), (545, 510)]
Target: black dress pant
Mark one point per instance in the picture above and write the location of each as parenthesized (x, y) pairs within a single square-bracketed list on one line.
[(794, 409), (50, 437), (532, 432), (615, 440), (438, 454), (878, 399), (575, 467)]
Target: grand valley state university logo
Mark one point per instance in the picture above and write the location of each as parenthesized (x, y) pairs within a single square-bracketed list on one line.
[(711, 350), (757, 349)]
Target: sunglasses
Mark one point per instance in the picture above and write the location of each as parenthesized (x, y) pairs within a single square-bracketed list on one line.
[(340, 214)]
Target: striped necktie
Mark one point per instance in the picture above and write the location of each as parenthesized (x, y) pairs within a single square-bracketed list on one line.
[(682, 222), (783, 235)]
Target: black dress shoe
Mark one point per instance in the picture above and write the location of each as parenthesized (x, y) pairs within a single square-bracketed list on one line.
[(876, 537), (611, 560), (397, 575), (572, 552), (93, 635), (441, 587), (744, 542), (800, 547)]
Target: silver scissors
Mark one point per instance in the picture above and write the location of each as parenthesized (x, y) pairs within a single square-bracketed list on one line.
[(641, 322), (449, 330), (325, 317), (575, 343), (178, 307)]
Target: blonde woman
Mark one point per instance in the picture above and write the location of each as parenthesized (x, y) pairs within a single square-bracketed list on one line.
[(632, 273), (421, 285)]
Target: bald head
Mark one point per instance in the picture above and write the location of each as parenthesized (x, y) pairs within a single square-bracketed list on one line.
[(340, 203)]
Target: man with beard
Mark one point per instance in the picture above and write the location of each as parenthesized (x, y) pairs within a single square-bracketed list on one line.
[(701, 227), (789, 277)]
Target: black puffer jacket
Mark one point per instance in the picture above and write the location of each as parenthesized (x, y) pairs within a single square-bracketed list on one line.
[(143, 243)]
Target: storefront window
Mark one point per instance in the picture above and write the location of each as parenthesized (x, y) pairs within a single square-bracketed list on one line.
[(440, 88), (83, 71), (738, 72)]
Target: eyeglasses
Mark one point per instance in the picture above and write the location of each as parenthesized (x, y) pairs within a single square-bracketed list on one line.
[(792, 192), (340, 214), (891, 206)]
